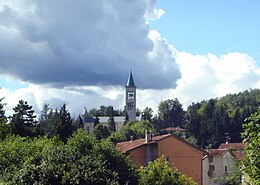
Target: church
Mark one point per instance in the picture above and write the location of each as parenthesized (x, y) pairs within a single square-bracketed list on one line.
[(130, 108)]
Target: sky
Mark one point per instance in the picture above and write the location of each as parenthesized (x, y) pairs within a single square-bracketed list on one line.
[(80, 52)]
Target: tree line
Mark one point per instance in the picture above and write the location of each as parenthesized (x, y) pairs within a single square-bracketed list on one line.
[(208, 123), (50, 123), (54, 145)]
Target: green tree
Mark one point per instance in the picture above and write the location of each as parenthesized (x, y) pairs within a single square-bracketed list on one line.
[(111, 121), (101, 131), (96, 121), (104, 111), (44, 126), (138, 112), (252, 139), (4, 127), (159, 172), (147, 114), (2, 112), (82, 160), (214, 121), (23, 121), (135, 129), (78, 123), (64, 129), (194, 123), (171, 113), (61, 123)]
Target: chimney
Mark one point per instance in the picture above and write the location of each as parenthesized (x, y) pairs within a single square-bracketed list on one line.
[(148, 136), (132, 138)]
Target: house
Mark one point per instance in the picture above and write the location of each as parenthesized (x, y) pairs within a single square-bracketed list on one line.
[(181, 154), (219, 163), (233, 146), (216, 165)]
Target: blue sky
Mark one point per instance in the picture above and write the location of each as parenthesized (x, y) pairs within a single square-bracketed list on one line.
[(81, 54), (202, 26)]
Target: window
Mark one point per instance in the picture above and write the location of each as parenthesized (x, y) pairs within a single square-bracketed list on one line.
[(131, 95), (130, 105)]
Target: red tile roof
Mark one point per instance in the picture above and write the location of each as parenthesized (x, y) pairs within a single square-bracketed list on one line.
[(215, 152), (236, 146), (129, 145), (239, 154)]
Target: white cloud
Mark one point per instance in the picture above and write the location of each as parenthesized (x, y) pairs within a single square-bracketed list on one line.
[(80, 54), (75, 98), (83, 42), (152, 13), (210, 76), (203, 77)]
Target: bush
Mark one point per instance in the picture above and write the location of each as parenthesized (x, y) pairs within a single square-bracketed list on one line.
[(159, 172), (82, 160)]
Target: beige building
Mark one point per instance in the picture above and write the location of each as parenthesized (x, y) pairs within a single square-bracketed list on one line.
[(219, 163), (216, 165)]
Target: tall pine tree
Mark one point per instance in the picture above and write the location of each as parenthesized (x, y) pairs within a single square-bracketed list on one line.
[(4, 128), (23, 121)]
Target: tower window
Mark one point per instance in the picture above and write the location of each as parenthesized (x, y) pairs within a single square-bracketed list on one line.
[(130, 95), (130, 105)]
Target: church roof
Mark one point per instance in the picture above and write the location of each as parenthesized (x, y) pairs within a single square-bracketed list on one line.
[(130, 81)]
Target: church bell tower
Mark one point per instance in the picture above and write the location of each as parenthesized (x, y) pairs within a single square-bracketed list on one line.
[(130, 98)]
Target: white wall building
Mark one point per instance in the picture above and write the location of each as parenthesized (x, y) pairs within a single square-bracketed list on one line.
[(216, 165)]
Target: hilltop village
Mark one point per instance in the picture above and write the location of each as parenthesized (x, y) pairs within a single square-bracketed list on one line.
[(202, 145), (207, 166)]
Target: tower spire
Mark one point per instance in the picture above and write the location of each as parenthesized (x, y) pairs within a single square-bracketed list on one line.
[(130, 98), (130, 81)]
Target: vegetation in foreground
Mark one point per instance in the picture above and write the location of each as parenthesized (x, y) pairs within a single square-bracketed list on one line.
[(251, 135), (46, 151), (81, 160)]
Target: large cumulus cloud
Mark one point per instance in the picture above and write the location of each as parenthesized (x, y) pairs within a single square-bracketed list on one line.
[(210, 76), (84, 42)]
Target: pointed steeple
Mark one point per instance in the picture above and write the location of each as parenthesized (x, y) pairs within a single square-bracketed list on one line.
[(130, 81)]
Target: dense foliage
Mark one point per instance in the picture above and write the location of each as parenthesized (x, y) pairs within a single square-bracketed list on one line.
[(214, 121), (82, 160), (4, 128), (251, 137), (135, 129), (171, 113), (57, 123), (105, 111), (159, 172)]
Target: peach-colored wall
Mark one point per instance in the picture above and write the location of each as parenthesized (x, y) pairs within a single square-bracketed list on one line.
[(182, 156), (138, 156)]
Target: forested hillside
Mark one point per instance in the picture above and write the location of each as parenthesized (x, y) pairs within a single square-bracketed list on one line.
[(214, 121)]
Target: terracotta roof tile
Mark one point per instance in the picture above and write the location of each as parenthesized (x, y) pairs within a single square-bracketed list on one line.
[(215, 152), (239, 154), (129, 145), (236, 146)]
